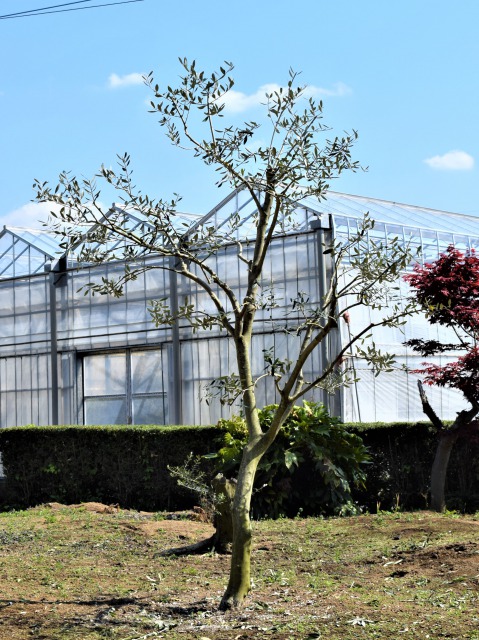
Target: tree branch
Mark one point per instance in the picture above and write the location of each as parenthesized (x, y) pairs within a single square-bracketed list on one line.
[(427, 409)]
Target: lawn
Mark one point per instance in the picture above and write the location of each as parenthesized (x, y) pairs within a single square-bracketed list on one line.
[(83, 573)]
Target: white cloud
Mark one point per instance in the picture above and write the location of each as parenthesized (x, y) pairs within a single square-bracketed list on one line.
[(339, 90), (115, 81), (451, 161), (33, 215), (236, 101), (30, 215)]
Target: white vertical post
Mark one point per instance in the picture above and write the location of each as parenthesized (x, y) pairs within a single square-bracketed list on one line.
[(52, 301), (175, 387), (324, 235)]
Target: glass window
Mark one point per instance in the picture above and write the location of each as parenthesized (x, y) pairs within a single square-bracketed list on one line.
[(105, 411), (149, 409), (125, 388), (105, 375), (146, 372)]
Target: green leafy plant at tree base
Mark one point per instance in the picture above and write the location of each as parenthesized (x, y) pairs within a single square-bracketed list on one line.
[(310, 468)]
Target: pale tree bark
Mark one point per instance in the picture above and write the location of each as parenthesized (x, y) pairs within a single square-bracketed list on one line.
[(447, 438), (239, 583), (224, 490)]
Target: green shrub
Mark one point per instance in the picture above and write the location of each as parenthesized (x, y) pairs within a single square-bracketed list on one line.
[(128, 465), (310, 468), (119, 464)]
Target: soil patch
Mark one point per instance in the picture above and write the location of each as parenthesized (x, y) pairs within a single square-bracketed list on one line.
[(88, 572)]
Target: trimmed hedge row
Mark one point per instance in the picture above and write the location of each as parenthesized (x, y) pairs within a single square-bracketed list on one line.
[(127, 465), (399, 473), (124, 465)]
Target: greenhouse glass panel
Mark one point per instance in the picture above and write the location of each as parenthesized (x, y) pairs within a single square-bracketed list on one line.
[(125, 388), (462, 242), (105, 374), (430, 246), (8, 373), (137, 312), (395, 232), (9, 409), (341, 229), (150, 410), (147, 372), (444, 241), (105, 411), (117, 313), (378, 232), (22, 325), (8, 305)]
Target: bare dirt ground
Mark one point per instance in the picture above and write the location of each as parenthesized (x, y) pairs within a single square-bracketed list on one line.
[(93, 571)]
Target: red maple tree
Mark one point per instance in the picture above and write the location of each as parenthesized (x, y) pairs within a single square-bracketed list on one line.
[(448, 292)]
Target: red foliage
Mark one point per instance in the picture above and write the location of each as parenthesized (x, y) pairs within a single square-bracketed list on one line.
[(448, 291), (462, 374)]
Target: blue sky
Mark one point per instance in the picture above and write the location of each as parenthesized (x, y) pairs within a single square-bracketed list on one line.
[(404, 74)]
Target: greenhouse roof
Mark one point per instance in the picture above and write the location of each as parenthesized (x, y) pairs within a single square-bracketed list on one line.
[(45, 242), (343, 206), (350, 206), (26, 251)]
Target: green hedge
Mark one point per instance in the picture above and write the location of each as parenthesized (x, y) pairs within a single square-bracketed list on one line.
[(111, 464), (128, 465), (400, 469)]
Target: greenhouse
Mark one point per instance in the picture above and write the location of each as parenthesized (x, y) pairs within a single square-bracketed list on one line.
[(68, 357)]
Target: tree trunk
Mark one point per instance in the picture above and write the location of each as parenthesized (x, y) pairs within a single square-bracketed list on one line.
[(239, 583), (223, 521), (240, 570), (463, 423), (439, 469)]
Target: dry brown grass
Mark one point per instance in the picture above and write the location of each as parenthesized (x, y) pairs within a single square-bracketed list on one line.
[(91, 573)]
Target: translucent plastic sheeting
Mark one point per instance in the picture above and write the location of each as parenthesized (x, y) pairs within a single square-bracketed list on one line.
[(94, 322), (24, 390), (403, 216), (220, 355), (24, 315), (394, 396)]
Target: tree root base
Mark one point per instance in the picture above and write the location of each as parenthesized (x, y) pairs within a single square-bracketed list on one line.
[(204, 546), (230, 604)]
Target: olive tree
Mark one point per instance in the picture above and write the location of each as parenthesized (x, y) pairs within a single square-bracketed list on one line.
[(299, 160)]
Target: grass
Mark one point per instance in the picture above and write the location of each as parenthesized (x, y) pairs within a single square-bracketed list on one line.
[(74, 573)]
